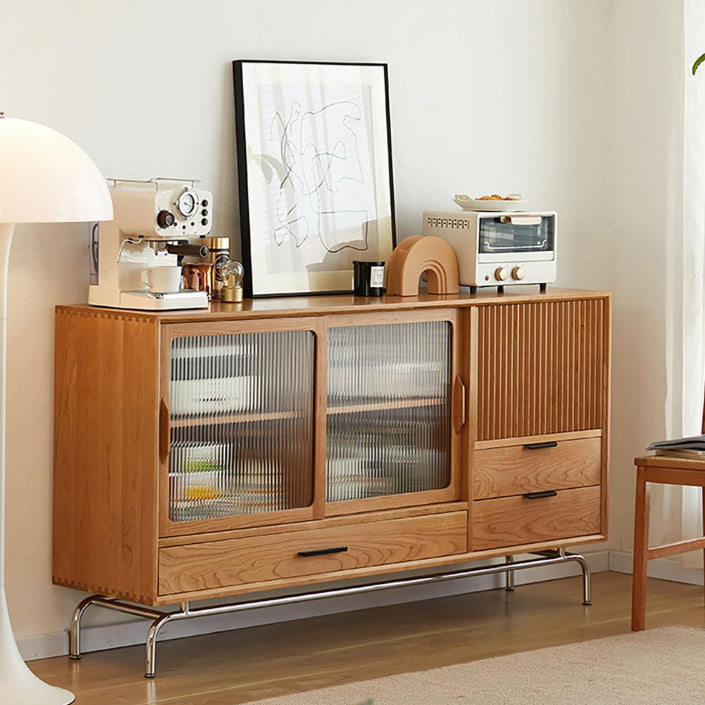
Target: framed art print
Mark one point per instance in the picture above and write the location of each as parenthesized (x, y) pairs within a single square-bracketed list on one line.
[(314, 171)]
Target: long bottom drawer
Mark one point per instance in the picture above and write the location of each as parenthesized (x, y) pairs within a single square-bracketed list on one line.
[(257, 559), (512, 521)]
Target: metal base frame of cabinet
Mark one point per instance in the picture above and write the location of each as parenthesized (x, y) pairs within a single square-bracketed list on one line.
[(160, 618)]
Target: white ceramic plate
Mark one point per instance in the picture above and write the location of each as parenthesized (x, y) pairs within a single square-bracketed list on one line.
[(468, 203), (212, 395)]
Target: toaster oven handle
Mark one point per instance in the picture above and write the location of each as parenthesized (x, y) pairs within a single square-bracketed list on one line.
[(538, 247), (520, 219)]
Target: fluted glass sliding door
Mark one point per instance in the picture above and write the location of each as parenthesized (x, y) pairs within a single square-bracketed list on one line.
[(389, 410)]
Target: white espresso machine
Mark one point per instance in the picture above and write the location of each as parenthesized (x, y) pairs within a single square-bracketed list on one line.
[(150, 216)]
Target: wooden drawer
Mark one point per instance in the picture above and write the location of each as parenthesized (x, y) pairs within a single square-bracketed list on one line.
[(259, 559), (517, 469), (513, 521)]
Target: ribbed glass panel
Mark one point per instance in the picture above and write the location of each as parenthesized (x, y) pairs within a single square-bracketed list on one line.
[(241, 424), (388, 429)]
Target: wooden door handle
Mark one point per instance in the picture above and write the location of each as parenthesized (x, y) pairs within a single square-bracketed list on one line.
[(164, 431), (458, 401)]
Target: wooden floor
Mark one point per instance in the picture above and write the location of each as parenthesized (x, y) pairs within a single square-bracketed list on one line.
[(250, 664)]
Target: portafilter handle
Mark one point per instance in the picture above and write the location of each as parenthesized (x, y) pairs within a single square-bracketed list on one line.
[(190, 250)]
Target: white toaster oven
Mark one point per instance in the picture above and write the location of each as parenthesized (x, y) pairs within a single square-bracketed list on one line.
[(498, 248)]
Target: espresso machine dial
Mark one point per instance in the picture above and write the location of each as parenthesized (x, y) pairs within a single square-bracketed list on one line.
[(165, 219), (187, 203)]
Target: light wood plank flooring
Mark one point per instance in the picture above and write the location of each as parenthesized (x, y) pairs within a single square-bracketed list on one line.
[(249, 664)]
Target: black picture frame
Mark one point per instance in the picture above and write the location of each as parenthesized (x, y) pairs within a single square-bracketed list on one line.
[(315, 181)]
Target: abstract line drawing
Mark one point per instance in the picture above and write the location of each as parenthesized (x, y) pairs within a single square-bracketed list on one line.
[(314, 173)]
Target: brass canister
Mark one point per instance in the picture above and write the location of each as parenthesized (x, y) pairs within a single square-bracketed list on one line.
[(218, 255)]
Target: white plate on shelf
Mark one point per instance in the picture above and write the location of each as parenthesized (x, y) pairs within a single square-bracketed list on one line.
[(468, 203), (213, 395)]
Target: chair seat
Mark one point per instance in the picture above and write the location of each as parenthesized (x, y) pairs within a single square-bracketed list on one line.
[(667, 470), (667, 461)]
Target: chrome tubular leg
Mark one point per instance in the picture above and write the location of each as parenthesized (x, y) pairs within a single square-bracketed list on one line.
[(509, 575), (587, 582), (151, 655), (75, 631), (160, 618), (562, 555)]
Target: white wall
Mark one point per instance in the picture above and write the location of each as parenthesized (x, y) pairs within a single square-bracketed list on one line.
[(642, 222), (501, 96)]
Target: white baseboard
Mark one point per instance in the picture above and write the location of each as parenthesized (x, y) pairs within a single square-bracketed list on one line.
[(662, 568), (99, 638)]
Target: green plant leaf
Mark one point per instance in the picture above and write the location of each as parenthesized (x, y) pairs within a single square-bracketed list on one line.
[(697, 63)]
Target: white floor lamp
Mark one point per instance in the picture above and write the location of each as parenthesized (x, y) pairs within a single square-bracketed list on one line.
[(44, 178)]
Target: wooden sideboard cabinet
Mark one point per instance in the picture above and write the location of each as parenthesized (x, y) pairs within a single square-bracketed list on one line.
[(291, 442)]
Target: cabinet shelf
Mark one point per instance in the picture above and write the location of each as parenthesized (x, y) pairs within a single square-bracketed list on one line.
[(386, 405), (227, 419)]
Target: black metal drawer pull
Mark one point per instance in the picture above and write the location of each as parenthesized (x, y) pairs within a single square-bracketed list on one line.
[(536, 446), (323, 551), (541, 495)]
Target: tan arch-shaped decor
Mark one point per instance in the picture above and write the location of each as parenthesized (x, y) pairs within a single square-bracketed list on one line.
[(415, 255)]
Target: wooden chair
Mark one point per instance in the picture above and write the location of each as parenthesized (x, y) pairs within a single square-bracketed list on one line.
[(667, 471)]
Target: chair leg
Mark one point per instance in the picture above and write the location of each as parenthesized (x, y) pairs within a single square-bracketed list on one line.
[(641, 547)]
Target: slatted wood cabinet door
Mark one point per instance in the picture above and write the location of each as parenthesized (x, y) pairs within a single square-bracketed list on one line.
[(542, 368)]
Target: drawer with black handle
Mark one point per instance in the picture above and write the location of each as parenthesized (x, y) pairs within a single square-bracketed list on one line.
[(535, 517), (215, 564), (528, 465)]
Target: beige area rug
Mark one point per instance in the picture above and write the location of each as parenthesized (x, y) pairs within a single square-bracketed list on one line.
[(661, 666)]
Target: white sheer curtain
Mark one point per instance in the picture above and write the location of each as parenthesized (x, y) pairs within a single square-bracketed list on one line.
[(676, 511)]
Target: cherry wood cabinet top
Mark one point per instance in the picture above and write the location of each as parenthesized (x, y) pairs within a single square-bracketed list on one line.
[(347, 303)]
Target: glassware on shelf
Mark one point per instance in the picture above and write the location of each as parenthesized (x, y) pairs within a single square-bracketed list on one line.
[(196, 478), (387, 452)]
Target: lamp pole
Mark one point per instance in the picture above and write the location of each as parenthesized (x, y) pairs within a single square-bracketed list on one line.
[(44, 178), (18, 685)]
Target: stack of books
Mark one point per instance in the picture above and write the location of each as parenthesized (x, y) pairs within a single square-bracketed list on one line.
[(692, 447)]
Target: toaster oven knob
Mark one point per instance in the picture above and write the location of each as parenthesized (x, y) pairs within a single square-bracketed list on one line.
[(500, 274), (518, 273)]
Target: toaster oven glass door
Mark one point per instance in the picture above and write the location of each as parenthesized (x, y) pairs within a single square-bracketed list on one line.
[(526, 237)]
